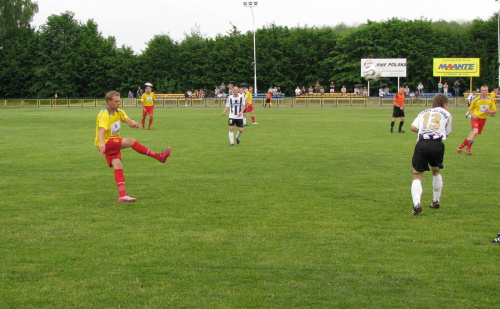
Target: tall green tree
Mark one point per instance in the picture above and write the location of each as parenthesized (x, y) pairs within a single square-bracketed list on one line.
[(16, 14)]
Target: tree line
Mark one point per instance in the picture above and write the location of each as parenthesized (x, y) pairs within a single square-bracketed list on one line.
[(73, 59)]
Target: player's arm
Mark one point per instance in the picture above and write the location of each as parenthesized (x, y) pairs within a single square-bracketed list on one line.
[(102, 145), (414, 129), (225, 110), (131, 123)]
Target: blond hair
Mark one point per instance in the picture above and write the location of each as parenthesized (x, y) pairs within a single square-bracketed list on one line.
[(110, 95)]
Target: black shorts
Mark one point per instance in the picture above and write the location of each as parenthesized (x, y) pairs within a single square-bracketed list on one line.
[(428, 153), (268, 100), (235, 122), (397, 112)]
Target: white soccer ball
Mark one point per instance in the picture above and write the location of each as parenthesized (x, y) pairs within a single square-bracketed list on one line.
[(372, 73)]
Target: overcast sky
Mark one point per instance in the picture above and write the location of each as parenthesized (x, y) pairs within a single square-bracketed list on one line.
[(134, 23)]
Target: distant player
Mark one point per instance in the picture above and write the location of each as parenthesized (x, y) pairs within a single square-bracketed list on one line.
[(236, 105), (148, 105), (479, 110), (269, 96), (433, 126), (110, 143), (249, 103), (398, 110)]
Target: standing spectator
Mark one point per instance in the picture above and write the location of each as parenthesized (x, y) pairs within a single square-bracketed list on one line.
[(222, 87), (303, 90), (230, 87), (130, 95), (445, 87), (139, 92), (407, 90), (386, 91), (317, 87), (456, 86), (398, 110), (187, 95), (236, 105), (440, 87), (148, 105), (381, 92), (311, 91), (479, 109), (298, 92), (322, 90), (110, 143), (429, 150), (420, 88), (332, 87), (344, 91)]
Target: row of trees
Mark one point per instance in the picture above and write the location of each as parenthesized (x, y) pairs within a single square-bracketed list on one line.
[(73, 59)]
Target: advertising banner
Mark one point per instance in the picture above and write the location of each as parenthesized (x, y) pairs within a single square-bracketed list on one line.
[(465, 67), (389, 67)]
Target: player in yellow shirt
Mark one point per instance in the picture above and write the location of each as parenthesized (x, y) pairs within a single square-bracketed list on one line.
[(148, 105), (249, 104), (479, 110), (110, 143)]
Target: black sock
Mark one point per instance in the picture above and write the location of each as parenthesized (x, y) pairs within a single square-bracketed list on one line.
[(392, 125), (401, 125)]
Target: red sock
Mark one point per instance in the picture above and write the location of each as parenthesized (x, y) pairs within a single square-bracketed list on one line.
[(120, 181), (145, 150), (253, 119), (465, 143), (150, 122), (143, 120)]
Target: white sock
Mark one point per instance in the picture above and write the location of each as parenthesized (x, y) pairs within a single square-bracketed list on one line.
[(231, 137), (437, 186), (238, 134), (416, 191), (245, 121)]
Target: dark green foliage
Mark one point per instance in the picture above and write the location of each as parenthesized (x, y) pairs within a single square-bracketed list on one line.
[(74, 59)]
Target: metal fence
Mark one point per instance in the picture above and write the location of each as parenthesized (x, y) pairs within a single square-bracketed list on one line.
[(355, 101)]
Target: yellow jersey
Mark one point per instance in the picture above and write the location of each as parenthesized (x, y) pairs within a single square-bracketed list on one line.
[(111, 122), (478, 106), (148, 99), (248, 96)]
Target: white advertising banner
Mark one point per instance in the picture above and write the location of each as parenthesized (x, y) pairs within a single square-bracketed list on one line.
[(389, 67)]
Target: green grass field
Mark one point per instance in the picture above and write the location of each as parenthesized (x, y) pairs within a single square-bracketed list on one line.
[(311, 210)]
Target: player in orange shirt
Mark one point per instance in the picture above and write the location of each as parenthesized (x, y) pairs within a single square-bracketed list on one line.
[(399, 109), (110, 143), (269, 96)]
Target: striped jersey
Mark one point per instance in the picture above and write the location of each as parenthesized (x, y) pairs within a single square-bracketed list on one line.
[(236, 104)]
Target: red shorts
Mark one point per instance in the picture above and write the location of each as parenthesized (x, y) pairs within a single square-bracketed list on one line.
[(113, 147), (148, 110), (478, 124), (249, 108)]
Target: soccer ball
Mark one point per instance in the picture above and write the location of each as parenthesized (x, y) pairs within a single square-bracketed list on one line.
[(372, 73)]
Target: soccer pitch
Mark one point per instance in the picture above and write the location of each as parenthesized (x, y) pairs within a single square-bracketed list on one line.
[(311, 210)]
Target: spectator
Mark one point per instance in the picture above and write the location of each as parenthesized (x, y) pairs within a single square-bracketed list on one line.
[(230, 87), (130, 94), (317, 87), (381, 92), (445, 87), (187, 95), (298, 92), (303, 90), (311, 91), (420, 88), (440, 87), (332, 87), (222, 87), (407, 90), (344, 91), (386, 90), (322, 90), (139, 92), (456, 86)]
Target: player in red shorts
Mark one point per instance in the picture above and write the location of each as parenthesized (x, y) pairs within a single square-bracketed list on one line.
[(148, 105), (479, 109), (110, 143), (249, 104)]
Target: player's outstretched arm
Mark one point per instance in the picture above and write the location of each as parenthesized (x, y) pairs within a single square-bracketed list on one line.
[(131, 123), (414, 129)]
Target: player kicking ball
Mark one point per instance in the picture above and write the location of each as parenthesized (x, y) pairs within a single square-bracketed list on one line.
[(433, 126), (110, 143)]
